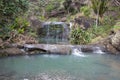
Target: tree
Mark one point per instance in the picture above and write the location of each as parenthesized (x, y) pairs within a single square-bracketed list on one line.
[(99, 7)]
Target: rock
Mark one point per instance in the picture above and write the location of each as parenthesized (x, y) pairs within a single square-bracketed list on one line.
[(34, 22), (73, 6), (51, 49), (56, 13), (84, 22), (25, 39), (1, 41), (64, 19), (111, 49), (116, 40), (112, 43), (5, 44), (11, 51)]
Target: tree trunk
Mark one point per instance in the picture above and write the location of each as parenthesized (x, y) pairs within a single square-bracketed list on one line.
[(97, 17)]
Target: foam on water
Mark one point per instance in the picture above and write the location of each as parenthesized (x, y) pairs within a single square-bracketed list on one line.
[(98, 50), (77, 52)]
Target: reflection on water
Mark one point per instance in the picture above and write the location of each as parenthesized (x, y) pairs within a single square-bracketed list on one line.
[(54, 67)]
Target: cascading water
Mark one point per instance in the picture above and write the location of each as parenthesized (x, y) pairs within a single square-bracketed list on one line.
[(47, 34), (54, 33), (77, 52), (97, 50)]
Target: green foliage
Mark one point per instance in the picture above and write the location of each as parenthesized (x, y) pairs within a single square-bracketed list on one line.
[(20, 24), (4, 31), (50, 7), (71, 7), (33, 34), (85, 10), (79, 36), (53, 5), (99, 6), (12, 8), (9, 10), (116, 26)]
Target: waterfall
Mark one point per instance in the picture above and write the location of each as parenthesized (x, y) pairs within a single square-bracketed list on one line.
[(77, 52), (47, 34), (98, 50), (54, 33)]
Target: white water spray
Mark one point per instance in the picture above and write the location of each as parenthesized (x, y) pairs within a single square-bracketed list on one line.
[(78, 52), (98, 50)]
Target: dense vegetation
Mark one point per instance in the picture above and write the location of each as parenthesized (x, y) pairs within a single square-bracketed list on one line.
[(10, 10), (15, 14)]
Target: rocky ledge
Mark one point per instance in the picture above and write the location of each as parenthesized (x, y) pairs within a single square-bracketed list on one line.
[(30, 49), (110, 44)]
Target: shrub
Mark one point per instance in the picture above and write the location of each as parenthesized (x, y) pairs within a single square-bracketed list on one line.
[(79, 36), (99, 7), (9, 10), (85, 10), (20, 24)]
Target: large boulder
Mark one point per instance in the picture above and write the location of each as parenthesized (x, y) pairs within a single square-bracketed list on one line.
[(116, 41), (112, 43)]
